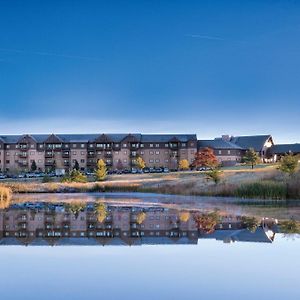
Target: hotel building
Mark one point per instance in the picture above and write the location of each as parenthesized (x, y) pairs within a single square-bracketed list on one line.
[(119, 151)]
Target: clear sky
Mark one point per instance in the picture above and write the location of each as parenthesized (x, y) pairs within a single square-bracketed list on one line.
[(205, 67)]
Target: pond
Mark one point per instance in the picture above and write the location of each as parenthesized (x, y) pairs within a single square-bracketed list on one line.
[(136, 246)]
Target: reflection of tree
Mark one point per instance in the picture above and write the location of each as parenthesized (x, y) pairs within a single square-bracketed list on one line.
[(184, 216), (206, 222), (140, 218), (251, 223), (5, 196), (101, 212), (75, 207)]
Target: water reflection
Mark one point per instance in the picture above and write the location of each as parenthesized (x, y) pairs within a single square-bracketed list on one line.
[(99, 223)]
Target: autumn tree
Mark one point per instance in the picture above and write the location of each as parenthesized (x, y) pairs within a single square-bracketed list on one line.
[(205, 158), (101, 211), (184, 164), (251, 223), (101, 171), (140, 163), (251, 157), (140, 218), (288, 164), (184, 216), (206, 222)]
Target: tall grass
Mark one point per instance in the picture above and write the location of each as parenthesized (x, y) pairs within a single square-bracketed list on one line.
[(262, 189)]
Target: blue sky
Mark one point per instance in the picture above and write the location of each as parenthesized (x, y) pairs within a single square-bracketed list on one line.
[(205, 67)]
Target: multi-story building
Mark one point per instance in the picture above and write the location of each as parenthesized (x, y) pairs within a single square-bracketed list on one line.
[(61, 151)]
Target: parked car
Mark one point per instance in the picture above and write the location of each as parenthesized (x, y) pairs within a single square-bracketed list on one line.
[(146, 170), (2, 176), (166, 170)]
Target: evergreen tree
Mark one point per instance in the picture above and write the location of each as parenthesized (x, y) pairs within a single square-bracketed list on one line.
[(76, 165), (33, 166), (251, 157)]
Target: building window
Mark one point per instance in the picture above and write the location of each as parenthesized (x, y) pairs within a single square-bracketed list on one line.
[(157, 160), (125, 145), (125, 161), (151, 145), (151, 152), (82, 161), (151, 160), (82, 152), (183, 144), (228, 151), (157, 152), (220, 152), (142, 145), (166, 145), (74, 153), (157, 145), (74, 145), (125, 152), (142, 152), (82, 145)]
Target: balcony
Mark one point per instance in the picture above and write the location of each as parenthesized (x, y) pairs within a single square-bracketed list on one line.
[(49, 154), (23, 154), (91, 154), (23, 163), (66, 163), (108, 154), (66, 154), (49, 163)]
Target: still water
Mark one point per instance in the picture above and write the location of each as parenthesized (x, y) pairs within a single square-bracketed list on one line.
[(146, 247)]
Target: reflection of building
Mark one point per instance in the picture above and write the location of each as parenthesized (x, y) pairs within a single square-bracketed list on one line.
[(121, 226)]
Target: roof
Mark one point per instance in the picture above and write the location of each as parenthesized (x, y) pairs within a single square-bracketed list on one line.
[(286, 148), (217, 143), (165, 138), (113, 137), (256, 142)]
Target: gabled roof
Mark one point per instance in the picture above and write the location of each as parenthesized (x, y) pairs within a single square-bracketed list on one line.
[(166, 138), (53, 138), (26, 138), (285, 148), (217, 143), (252, 141)]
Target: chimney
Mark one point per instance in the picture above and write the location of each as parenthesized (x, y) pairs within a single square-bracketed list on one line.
[(226, 138)]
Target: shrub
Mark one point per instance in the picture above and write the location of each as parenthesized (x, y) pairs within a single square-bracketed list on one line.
[(75, 176), (288, 164), (101, 171), (214, 175), (46, 179)]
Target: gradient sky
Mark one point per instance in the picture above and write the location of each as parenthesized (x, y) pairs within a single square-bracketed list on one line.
[(205, 67)]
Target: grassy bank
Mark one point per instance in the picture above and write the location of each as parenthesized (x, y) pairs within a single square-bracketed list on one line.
[(261, 184)]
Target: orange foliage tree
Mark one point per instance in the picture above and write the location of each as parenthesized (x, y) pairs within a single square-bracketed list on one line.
[(205, 158)]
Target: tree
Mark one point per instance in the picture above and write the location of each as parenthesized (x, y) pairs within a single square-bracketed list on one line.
[(140, 163), (184, 216), (288, 164), (33, 166), (75, 176), (206, 222), (251, 157), (205, 158), (75, 207), (76, 165), (251, 223), (140, 218), (101, 212), (184, 164), (214, 175), (101, 171)]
